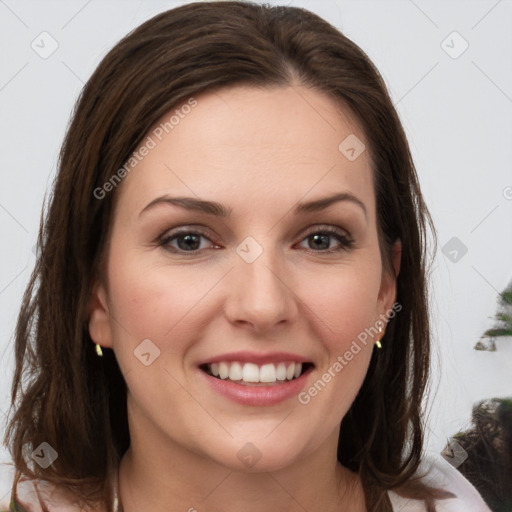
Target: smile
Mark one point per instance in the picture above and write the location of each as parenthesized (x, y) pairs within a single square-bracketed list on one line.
[(251, 373)]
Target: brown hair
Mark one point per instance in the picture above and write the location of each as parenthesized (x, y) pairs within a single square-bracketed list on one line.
[(62, 393)]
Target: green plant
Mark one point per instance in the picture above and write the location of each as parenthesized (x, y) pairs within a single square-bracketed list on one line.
[(503, 325)]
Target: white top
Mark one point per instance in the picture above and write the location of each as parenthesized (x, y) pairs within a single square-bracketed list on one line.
[(442, 475), (439, 473)]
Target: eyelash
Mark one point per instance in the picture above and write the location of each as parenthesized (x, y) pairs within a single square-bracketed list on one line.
[(346, 243)]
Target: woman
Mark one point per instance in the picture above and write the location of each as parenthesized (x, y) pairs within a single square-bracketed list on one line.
[(230, 307)]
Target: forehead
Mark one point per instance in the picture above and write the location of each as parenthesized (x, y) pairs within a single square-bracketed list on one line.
[(253, 144)]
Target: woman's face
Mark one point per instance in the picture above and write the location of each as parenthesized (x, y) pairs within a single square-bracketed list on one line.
[(252, 274)]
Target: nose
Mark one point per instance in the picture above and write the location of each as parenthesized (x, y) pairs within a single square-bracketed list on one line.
[(261, 294)]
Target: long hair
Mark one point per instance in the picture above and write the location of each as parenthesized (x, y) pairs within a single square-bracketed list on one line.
[(62, 393)]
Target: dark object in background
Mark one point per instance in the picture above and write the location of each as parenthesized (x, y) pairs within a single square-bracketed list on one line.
[(489, 446)]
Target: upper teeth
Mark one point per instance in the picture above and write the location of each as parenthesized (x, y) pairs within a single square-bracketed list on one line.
[(250, 372)]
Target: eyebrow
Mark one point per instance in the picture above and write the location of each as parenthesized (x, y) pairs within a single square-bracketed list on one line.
[(219, 210)]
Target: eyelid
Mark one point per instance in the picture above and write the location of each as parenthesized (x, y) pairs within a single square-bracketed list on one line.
[(329, 228), (186, 228)]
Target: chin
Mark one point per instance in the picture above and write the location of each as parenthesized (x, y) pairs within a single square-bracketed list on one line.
[(250, 455)]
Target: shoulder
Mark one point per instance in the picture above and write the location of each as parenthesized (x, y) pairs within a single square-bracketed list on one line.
[(40, 496), (437, 472)]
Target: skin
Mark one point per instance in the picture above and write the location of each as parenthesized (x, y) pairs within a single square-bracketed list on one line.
[(258, 152)]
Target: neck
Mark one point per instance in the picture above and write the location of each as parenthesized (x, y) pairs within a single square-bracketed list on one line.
[(176, 478)]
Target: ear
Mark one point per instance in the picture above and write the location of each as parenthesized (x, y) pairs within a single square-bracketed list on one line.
[(387, 292), (99, 317)]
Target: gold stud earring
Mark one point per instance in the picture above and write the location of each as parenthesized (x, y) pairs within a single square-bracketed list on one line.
[(98, 350), (378, 343)]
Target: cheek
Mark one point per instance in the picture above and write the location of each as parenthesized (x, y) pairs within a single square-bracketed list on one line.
[(160, 304), (344, 300), (155, 301)]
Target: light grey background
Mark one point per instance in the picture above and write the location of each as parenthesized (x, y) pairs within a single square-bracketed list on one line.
[(457, 113)]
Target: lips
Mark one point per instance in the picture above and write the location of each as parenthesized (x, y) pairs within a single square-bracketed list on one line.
[(257, 379), (256, 368), (257, 393)]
